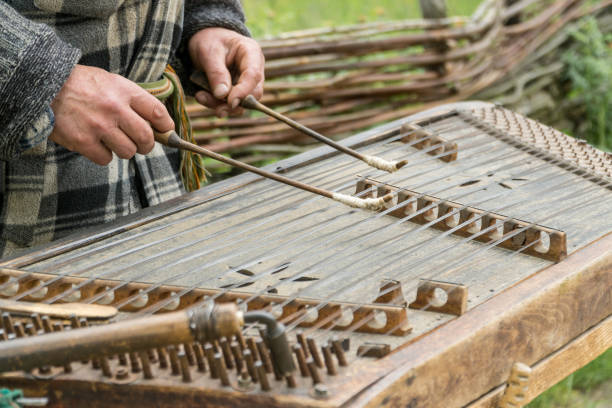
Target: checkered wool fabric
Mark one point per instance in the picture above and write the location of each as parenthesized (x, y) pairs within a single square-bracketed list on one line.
[(48, 191)]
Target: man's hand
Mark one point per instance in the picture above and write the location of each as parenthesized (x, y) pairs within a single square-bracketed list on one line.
[(97, 113), (217, 51)]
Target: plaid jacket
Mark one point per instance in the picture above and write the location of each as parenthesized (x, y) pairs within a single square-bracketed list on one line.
[(46, 190)]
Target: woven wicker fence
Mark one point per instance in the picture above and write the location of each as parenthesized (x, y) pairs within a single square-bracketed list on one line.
[(344, 79)]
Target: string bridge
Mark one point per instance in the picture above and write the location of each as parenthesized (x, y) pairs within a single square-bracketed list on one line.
[(486, 226), (375, 318)]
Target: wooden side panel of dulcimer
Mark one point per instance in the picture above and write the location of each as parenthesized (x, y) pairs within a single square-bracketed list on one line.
[(487, 200)]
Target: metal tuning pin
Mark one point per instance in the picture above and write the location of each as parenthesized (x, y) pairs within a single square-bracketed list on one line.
[(185, 369), (106, 370), (250, 364), (200, 358), (329, 361), (339, 351), (188, 348), (227, 353), (210, 357), (262, 375), (314, 371), (147, 372), (301, 359), (312, 347), (174, 363), (222, 369), (134, 362)]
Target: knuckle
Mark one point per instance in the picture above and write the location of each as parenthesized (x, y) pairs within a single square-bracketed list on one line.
[(144, 136), (97, 126), (111, 104)]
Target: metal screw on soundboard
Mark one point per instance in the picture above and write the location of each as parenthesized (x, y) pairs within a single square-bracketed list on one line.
[(244, 380), (185, 371), (44, 369), (320, 390), (122, 373)]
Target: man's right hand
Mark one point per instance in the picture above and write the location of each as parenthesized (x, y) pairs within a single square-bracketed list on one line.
[(97, 113)]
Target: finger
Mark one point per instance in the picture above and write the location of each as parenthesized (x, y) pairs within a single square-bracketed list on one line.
[(259, 90), (97, 153), (206, 99), (75, 139), (152, 110), (120, 143), (216, 70), (138, 130), (251, 66), (236, 112), (222, 111)]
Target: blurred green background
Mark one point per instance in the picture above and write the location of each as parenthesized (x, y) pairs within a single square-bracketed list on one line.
[(269, 17), (590, 387)]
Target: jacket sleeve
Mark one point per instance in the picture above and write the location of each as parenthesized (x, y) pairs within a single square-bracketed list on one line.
[(34, 64), (200, 14)]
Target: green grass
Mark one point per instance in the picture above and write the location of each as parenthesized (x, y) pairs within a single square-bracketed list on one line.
[(269, 17), (581, 389)]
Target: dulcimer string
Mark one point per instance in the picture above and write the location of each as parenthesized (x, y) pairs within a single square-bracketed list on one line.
[(245, 266), (255, 277), (353, 285), (462, 262), (167, 238), (346, 164), (73, 289)]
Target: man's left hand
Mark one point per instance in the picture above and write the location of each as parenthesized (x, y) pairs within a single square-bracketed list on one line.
[(224, 54)]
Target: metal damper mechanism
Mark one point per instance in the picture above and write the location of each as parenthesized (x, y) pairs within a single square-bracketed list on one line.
[(207, 323)]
